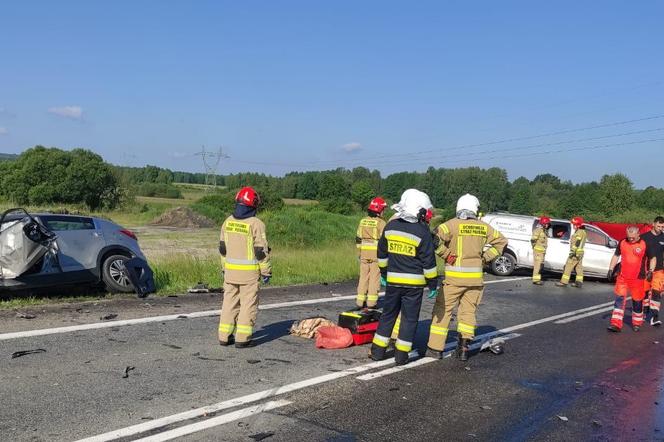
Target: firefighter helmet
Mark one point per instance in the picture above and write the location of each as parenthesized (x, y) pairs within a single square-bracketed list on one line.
[(413, 205), (577, 221), (544, 220), (468, 202), (247, 196), (377, 205)]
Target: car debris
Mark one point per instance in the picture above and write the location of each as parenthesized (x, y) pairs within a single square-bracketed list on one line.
[(495, 346), (201, 287), (563, 418), (261, 436), (18, 354), (127, 369), (25, 315), (109, 316)]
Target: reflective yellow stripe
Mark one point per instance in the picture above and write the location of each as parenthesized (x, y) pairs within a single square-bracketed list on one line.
[(470, 275), (368, 247), (226, 328), (372, 297), (459, 252), (436, 330), (493, 251), (405, 278), (537, 277), (539, 249), (382, 262), (444, 228), (380, 341), (404, 239), (244, 329), (430, 274), (351, 314), (253, 267), (466, 328), (403, 345), (361, 297)]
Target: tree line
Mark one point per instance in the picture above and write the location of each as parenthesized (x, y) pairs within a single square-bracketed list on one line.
[(53, 176)]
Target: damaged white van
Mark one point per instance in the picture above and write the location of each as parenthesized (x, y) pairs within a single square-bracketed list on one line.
[(518, 229)]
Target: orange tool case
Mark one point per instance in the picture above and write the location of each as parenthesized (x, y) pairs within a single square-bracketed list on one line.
[(361, 323)]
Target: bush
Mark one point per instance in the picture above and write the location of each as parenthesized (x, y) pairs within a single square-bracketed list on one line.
[(159, 190), (342, 206), (217, 206)]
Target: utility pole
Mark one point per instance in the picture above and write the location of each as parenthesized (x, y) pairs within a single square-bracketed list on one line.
[(211, 161)]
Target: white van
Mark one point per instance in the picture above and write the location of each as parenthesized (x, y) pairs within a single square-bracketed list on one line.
[(518, 229)]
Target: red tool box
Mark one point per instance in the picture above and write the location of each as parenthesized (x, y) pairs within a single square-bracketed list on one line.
[(361, 323)]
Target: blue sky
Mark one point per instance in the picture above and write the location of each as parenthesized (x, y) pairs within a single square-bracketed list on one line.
[(296, 85)]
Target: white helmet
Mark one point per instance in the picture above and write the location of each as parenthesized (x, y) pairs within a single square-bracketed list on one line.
[(468, 202), (413, 205)]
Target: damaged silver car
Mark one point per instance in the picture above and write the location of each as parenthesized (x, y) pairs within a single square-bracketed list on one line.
[(48, 250)]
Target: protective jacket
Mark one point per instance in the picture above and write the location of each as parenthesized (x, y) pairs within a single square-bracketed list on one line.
[(539, 240), (245, 253), (406, 255), (368, 233), (474, 243), (578, 242)]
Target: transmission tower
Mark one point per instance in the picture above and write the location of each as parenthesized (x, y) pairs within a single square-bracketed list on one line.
[(211, 161)]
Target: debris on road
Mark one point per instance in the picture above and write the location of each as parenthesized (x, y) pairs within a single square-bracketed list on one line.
[(183, 317), (199, 288), (253, 361), (18, 354), (307, 328), (25, 315), (261, 436), (563, 418), (109, 316), (127, 369), (176, 347), (495, 346), (597, 423), (485, 407), (203, 358), (284, 361)]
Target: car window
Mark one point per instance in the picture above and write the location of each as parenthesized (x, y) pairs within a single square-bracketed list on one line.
[(62, 223), (596, 237), (559, 230)]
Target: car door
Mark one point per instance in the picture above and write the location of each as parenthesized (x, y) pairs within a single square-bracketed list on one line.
[(597, 253), (79, 241), (557, 249)]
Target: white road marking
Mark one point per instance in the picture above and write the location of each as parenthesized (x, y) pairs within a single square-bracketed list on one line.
[(215, 421), (519, 278), (201, 314), (585, 315), (243, 400)]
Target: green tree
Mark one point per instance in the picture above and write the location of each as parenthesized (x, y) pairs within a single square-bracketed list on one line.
[(616, 194), (362, 193)]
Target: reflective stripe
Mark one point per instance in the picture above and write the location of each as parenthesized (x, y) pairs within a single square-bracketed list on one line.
[(539, 249), (405, 278), (380, 341), (403, 345), (466, 328), (430, 273), (459, 252), (565, 278), (351, 314), (579, 278), (493, 251), (396, 235), (226, 328), (249, 267), (437, 330), (496, 234), (264, 266), (244, 329), (537, 277), (444, 228), (372, 297), (361, 297), (368, 247), (382, 262), (464, 272), (370, 242), (654, 305), (241, 261)]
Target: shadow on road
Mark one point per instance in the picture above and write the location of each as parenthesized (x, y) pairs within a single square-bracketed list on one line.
[(271, 332)]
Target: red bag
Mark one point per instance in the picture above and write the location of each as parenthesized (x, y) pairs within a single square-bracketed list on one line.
[(333, 336)]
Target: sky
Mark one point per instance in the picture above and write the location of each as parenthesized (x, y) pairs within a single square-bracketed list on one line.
[(573, 88)]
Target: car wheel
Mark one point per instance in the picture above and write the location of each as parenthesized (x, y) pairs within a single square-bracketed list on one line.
[(114, 275), (504, 265)]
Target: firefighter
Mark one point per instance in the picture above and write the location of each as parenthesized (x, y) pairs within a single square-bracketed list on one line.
[(654, 285), (466, 244), (575, 259), (368, 232), (630, 280), (408, 264), (539, 241), (245, 257)]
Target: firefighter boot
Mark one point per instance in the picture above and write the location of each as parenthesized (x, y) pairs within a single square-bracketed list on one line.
[(377, 353), (246, 344), (463, 349), (577, 284), (231, 341), (436, 354), (654, 319), (400, 357)]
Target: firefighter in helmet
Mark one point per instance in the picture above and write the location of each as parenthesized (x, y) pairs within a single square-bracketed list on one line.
[(368, 233), (575, 259), (245, 257), (539, 242)]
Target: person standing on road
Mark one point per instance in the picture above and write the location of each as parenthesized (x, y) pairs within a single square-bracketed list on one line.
[(654, 285), (466, 244), (539, 242), (245, 257), (630, 280), (407, 264), (575, 258), (368, 232)]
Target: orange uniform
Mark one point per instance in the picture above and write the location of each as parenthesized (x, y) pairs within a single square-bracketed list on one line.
[(630, 281)]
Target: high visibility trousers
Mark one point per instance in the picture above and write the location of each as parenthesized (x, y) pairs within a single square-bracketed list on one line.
[(369, 283), (574, 263), (467, 298), (619, 312), (406, 301), (238, 311), (655, 303), (538, 261)]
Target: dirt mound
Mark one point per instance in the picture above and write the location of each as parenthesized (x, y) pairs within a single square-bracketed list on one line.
[(182, 217)]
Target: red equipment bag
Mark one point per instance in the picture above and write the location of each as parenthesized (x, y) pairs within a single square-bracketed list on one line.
[(361, 323), (332, 336)]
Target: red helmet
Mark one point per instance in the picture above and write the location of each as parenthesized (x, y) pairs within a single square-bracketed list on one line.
[(577, 221), (428, 216), (247, 196), (544, 220), (377, 205)]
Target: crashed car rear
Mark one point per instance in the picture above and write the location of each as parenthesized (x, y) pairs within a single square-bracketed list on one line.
[(49, 250)]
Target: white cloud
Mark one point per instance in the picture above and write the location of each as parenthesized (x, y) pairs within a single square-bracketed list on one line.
[(351, 147), (73, 112), (3, 131)]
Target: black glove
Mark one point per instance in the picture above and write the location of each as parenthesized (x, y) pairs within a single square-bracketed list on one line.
[(649, 276)]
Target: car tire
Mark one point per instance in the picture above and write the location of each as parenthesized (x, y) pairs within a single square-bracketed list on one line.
[(114, 276), (504, 265)]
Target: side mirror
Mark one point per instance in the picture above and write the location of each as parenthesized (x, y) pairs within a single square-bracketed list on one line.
[(613, 244)]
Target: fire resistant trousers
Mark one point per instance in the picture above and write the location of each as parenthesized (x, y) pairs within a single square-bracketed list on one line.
[(467, 298), (369, 284), (238, 311), (407, 301), (573, 263), (538, 261)]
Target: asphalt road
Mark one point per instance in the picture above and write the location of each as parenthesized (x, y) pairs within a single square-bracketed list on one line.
[(562, 376)]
